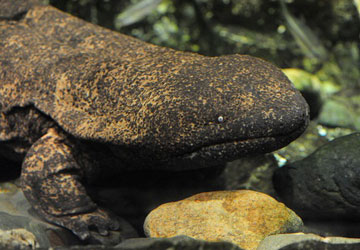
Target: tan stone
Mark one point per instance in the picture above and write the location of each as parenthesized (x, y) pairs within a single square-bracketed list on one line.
[(18, 238), (242, 217)]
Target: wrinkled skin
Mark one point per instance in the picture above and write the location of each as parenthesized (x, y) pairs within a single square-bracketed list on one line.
[(78, 101)]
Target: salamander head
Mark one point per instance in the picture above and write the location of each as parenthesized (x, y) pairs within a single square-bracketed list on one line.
[(217, 109)]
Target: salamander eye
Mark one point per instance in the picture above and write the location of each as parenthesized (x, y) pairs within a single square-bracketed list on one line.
[(220, 119)]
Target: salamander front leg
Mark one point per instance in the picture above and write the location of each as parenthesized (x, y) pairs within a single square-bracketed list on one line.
[(51, 183)]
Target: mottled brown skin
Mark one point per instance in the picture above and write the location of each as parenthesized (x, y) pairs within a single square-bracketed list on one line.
[(79, 102)]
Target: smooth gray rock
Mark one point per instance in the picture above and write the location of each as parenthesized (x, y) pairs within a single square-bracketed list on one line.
[(301, 241), (326, 184), (174, 243), (315, 245)]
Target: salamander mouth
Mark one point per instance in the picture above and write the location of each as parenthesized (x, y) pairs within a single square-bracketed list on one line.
[(231, 150), (211, 154), (224, 151)]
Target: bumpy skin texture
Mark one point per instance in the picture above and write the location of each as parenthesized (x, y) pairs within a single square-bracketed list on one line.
[(85, 102)]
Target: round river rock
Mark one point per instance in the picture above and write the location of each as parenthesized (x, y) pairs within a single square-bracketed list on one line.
[(326, 184), (242, 217)]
